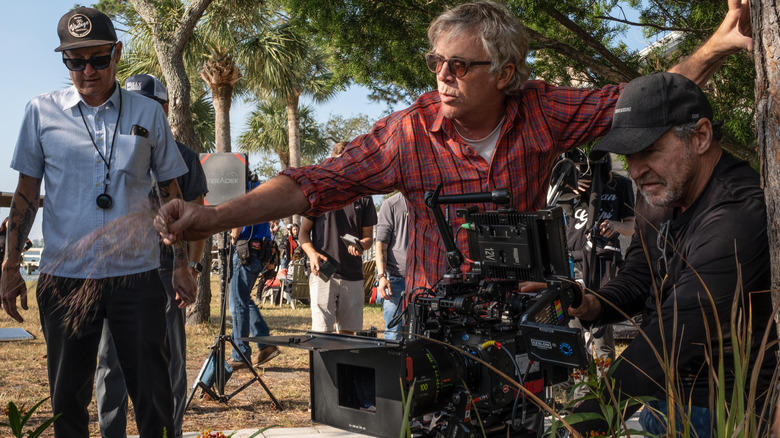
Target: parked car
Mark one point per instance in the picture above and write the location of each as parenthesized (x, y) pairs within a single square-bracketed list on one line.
[(31, 259)]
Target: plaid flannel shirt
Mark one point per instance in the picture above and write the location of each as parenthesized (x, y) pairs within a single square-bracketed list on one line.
[(415, 149)]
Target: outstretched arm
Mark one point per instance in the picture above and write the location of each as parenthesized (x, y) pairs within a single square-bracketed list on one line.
[(279, 197), (733, 35)]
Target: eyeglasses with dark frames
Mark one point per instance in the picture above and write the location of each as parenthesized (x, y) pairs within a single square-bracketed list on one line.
[(97, 62), (458, 67)]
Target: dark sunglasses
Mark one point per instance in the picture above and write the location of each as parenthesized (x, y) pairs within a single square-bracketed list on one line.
[(458, 67), (97, 62)]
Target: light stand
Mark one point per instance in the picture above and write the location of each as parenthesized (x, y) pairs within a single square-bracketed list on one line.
[(218, 348)]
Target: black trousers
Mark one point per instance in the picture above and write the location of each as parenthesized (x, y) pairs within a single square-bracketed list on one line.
[(134, 306)]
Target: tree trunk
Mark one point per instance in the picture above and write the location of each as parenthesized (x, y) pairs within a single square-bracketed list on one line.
[(200, 312), (221, 74), (169, 45), (294, 130), (766, 41), (222, 97), (294, 137)]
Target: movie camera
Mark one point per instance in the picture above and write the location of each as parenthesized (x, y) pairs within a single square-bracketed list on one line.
[(470, 339)]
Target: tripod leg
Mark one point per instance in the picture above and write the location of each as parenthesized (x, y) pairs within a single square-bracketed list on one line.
[(256, 378), (200, 376)]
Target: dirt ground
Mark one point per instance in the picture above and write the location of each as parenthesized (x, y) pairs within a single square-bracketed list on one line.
[(23, 376)]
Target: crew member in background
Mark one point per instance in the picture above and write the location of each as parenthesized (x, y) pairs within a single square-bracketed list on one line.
[(253, 255), (593, 242), (337, 304), (392, 236), (110, 389), (289, 244)]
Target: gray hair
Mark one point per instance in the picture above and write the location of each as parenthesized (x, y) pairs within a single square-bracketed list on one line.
[(502, 37), (685, 132)]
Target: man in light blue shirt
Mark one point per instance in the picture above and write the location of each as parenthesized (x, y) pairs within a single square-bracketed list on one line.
[(97, 147)]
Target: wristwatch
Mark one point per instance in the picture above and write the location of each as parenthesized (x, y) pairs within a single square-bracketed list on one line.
[(382, 275), (196, 266)]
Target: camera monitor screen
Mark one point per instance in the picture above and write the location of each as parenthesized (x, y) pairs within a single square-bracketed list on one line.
[(524, 246)]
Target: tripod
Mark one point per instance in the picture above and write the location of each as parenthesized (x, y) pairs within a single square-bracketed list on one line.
[(217, 356)]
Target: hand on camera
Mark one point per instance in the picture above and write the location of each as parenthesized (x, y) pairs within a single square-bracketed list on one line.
[(589, 310), (531, 286)]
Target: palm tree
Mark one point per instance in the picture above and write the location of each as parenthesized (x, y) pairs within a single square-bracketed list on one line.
[(288, 81), (245, 39), (221, 74), (267, 132)]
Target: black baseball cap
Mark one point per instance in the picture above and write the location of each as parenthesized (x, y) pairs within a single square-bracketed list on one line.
[(149, 86), (648, 107), (85, 27)]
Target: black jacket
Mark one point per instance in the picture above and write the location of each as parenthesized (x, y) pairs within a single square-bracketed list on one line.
[(725, 228)]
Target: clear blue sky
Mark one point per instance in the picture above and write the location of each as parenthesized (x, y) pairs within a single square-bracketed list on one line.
[(30, 36)]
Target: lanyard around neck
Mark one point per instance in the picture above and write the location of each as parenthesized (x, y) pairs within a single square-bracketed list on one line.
[(107, 180)]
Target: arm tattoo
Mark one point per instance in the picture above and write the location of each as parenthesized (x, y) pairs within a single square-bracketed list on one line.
[(20, 221), (166, 194)]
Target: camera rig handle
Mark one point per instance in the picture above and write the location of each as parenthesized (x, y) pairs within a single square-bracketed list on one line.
[(432, 199)]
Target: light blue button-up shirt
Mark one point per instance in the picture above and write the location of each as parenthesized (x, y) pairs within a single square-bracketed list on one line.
[(80, 239)]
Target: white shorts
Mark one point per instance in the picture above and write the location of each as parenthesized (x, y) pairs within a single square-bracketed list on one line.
[(336, 304)]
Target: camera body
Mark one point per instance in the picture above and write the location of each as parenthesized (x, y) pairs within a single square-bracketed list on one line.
[(470, 341)]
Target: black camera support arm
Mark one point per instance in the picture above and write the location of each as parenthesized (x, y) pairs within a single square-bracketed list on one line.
[(433, 200)]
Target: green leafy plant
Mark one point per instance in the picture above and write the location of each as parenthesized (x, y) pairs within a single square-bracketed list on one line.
[(18, 417)]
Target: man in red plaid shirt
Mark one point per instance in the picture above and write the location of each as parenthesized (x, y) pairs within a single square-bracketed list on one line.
[(485, 127)]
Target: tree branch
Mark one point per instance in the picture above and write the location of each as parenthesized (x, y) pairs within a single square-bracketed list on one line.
[(650, 25), (189, 19), (540, 41), (619, 65)]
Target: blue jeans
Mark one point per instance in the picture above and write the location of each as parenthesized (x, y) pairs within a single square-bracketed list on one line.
[(389, 306), (247, 319), (700, 419)]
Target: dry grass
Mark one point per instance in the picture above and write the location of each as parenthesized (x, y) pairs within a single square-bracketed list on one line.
[(23, 376)]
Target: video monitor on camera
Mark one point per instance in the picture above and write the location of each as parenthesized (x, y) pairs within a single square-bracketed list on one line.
[(523, 246)]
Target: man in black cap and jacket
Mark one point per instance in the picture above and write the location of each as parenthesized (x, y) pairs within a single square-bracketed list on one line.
[(111, 393), (714, 251), (96, 146)]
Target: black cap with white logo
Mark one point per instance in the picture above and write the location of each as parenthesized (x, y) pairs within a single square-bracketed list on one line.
[(648, 107), (84, 27)]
